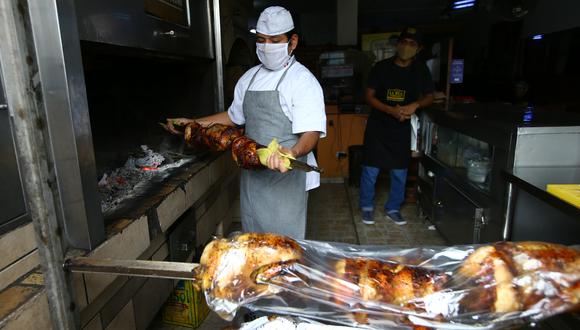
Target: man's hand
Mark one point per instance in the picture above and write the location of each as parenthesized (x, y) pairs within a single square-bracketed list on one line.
[(410, 109), (275, 161), (172, 123), (405, 112)]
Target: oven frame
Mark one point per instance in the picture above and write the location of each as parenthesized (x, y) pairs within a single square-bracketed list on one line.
[(57, 28)]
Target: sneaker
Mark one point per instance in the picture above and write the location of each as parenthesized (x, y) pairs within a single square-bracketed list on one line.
[(367, 218), (396, 217)]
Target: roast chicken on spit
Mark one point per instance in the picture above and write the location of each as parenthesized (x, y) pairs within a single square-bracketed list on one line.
[(514, 276), (246, 153), (217, 137), (226, 267), (222, 137), (496, 279)]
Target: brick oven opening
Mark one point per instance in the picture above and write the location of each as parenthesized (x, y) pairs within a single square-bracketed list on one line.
[(129, 93)]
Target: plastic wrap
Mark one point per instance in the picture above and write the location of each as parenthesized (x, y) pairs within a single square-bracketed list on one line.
[(288, 323), (461, 287)]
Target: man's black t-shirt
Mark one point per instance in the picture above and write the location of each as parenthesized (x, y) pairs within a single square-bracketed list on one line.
[(387, 140), (400, 85)]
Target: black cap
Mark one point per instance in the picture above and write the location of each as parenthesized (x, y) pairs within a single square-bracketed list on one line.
[(410, 33)]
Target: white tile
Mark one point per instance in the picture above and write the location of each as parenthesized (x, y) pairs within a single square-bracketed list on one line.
[(197, 186), (234, 188), (16, 243), (227, 221), (212, 171), (34, 314), (80, 294), (221, 206), (171, 208), (11, 273), (205, 227), (128, 244), (161, 253), (235, 207), (230, 165), (215, 169), (125, 320), (94, 324), (149, 301)]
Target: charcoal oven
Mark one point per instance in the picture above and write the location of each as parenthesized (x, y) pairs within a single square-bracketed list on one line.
[(129, 94), (110, 71), (144, 61)]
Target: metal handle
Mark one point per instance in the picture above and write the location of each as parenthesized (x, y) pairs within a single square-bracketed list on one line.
[(509, 211), (480, 217), (184, 247), (170, 33), (480, 222), (3, 106)]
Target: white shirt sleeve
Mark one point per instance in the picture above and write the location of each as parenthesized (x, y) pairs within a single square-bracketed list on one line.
[(307, 105), (236, 109)]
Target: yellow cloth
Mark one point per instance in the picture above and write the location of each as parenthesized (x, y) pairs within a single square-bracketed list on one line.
[(264, 153)]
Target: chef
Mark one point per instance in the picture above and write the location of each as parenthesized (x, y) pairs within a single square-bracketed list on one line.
[(281, 99), (397, 87)]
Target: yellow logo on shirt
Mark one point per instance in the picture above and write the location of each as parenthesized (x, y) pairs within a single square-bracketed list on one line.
[(396, 95)]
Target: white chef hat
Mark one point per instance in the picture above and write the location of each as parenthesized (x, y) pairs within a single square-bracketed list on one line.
[(274, 20)]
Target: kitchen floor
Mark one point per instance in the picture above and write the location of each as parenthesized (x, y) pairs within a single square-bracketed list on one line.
[(333, 216)]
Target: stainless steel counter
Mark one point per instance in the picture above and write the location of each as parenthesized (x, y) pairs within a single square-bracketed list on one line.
[(533, 213), (493, 143)]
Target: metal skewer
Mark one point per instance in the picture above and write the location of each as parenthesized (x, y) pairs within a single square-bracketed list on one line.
[(139, 268)]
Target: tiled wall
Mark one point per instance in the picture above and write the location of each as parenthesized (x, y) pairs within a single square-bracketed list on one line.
[(19, 254), (121, 302)]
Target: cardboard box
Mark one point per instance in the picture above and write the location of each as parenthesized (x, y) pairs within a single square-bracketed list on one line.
[(186, 307)]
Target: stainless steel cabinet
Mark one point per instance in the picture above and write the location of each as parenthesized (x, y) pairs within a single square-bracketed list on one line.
[(176, 27), (462, 182)]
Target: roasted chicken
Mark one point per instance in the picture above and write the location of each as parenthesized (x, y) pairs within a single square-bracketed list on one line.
[(368, 280), (515, 276), (218, 137), (499, 278), (244, 153), (227, 266), (221, 137)]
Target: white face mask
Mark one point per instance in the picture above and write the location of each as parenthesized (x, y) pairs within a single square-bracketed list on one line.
[(273, 56)]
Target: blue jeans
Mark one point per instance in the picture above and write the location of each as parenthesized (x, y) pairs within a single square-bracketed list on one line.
[(367, 188)]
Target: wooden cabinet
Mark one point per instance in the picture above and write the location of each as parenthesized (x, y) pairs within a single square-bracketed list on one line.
[(342, 131)]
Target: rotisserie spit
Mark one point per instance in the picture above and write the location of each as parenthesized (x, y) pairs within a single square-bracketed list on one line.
[(462, 287), (245, 153)]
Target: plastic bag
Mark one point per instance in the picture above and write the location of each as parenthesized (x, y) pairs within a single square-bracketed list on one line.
[(462, 287)]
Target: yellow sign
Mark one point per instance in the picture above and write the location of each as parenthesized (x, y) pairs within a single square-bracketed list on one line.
[(377, 40), (396, 95), (379, 45)]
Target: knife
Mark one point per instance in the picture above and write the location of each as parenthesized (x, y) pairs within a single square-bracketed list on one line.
[(298, 165)]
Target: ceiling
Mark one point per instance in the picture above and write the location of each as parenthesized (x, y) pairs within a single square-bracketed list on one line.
[(373, 14)]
